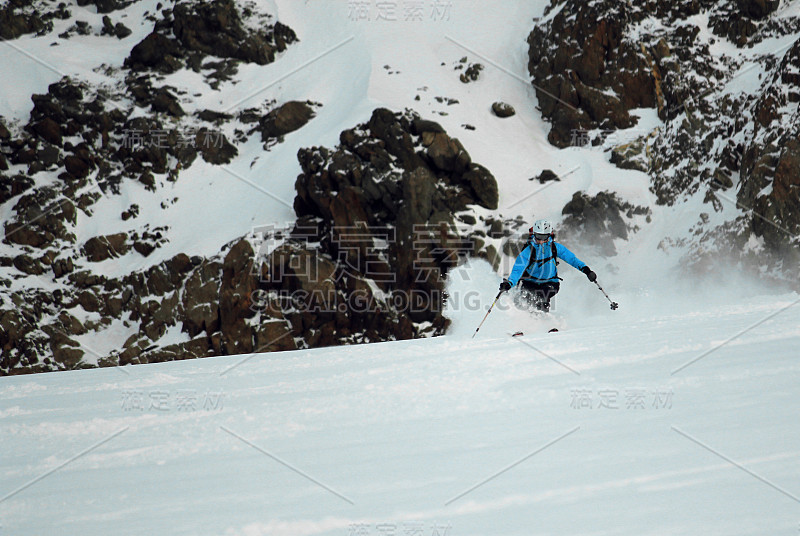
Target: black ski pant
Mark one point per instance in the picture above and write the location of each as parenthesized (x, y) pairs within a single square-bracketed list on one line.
[(537, 295)]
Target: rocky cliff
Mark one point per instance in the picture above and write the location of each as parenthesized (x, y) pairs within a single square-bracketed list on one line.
[(594, 63)]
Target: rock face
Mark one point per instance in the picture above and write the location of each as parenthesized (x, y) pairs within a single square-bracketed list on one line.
[(215, 28), (208, 300), (771, 157), (367, 260), (586, 74), (235, 299), (15, 21), (114, 148), (594, 62), (198, 29), (156, 51), (105, 6), (80, 143), (396, 180)]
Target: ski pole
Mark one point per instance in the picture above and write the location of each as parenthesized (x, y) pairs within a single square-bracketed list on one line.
[(487, 313), (614, 305)]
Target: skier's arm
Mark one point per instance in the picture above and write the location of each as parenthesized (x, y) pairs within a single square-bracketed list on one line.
[(519, 265), (569, 257)]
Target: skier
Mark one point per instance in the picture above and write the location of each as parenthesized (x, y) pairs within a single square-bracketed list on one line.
[(535, 268)]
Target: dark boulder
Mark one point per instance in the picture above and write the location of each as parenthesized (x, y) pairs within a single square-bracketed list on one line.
[(28, 265), (100, 248), (207, 29), (547, 175), (503, 110), (155, 51), (471, 73), (104, 6), (13, 25), (165, 102), (14, 186), (47, 155), (62, 267), (287, 118), (445, 153), (757, 9), (76, 166), (49, 130), (484, 186), (119, 30), (419, 126)]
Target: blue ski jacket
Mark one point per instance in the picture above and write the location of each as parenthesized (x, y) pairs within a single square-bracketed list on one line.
[(536, 263)]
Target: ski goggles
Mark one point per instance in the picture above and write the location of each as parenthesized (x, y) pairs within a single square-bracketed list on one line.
[(541, 237)]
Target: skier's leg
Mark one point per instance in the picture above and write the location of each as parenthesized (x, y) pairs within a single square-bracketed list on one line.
[(526, 298), (536, 296), (544, 293), (542, 301), (549, 292)]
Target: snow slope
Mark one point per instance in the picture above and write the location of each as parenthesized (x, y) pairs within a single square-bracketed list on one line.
[(675, 414), (680, 422)]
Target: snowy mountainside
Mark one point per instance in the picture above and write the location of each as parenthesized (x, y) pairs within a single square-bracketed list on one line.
[(118, 253), (675, 414), (719, 76)]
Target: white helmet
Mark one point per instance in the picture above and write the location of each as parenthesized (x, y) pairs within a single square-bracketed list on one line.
[(542, 227)]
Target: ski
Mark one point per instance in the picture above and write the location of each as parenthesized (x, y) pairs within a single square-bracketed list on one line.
[(520, 333)]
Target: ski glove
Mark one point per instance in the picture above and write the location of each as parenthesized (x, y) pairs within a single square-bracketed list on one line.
[(505, 286), (590, 275)]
